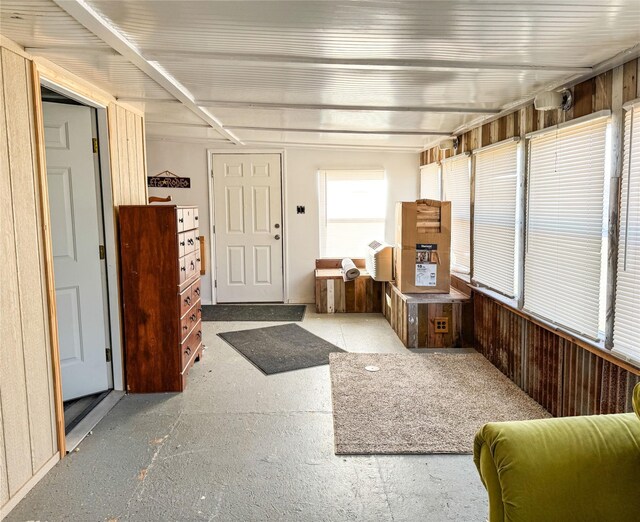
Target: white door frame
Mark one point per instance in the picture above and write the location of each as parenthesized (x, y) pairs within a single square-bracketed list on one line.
[(109, 228), (285, 229)]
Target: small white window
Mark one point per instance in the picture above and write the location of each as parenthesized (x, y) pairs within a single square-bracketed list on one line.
[(457, 189), (353, 208), (430, 181), (567, 215), (626, 330), (495, 216)]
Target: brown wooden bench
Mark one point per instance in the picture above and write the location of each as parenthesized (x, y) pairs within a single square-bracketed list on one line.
[(334, 294)]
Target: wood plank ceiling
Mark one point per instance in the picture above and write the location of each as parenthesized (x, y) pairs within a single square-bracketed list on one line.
[(388, 75)]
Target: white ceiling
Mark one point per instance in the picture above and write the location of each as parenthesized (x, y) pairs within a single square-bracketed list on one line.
[(390, 75)]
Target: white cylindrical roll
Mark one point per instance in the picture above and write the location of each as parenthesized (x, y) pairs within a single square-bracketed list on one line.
[(349, 269)]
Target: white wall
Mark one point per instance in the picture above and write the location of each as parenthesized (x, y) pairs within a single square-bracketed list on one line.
[(301, 188), (402, 171)]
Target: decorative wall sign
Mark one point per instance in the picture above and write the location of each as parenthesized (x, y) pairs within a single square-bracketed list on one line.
[(168, 179)]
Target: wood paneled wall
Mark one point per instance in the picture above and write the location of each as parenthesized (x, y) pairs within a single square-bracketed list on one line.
[(562, 376), (27, 418), (29, 395), (127, 149), (590, 96)]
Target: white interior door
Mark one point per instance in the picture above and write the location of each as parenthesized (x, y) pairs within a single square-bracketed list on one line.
[(75, 236), (247, 193)]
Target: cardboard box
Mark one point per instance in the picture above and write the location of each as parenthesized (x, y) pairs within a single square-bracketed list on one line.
[(420, 221), (413, 276), (423, 250)]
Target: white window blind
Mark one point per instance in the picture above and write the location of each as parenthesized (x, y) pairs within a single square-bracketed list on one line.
[(626, 330), (494, 229), (430, 181), (457, 189), (353, 207), (566, 228)]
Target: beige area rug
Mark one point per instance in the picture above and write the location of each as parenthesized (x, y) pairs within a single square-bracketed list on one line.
[(428, 403)]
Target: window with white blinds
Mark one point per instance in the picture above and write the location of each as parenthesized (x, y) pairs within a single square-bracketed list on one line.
[(626, 330), (353, 208), (494, 228), (566, 226), (457, 189), (430, 181)]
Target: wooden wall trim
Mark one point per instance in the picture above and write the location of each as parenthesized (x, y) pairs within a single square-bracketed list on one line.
[(14, 47), (68, 80), (48, 258)]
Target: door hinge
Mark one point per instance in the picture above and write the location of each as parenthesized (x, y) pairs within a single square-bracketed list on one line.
[(94, 141), (108, 354), (214, 229), (101, 251), (215, 284)]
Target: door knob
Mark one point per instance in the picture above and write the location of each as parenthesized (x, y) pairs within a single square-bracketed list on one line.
[(277, 236), (277, 225)]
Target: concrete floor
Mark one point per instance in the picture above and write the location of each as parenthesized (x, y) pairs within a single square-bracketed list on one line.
[(240, 446)]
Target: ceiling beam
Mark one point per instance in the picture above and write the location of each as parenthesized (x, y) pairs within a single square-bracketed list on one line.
[(356, 108), (133, 99), (68, 49), (176, 124), (341, 131), (343, 146), (312, 62), (94, 22)]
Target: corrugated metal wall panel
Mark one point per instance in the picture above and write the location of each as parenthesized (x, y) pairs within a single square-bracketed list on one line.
[(617, 385), (560, 375)]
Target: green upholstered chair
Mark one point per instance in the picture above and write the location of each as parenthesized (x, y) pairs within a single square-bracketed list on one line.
[(563, 469)]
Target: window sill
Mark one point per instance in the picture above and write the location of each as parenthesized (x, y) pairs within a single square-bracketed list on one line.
[(460, 275), (587, 344)]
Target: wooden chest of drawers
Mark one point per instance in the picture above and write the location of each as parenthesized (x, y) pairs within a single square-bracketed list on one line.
[(160, 270)]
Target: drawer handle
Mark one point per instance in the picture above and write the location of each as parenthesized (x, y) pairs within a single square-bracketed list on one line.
[(181, 243), (198, 259), (193, 265), (187, 351), (196, 218), (181, 220), (187, 300), (193, 317), (199, 335), (184, 269), (200, 310), (190, 241), (185, 327), (197, 291)]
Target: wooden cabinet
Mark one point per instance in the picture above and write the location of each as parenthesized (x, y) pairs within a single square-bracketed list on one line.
[(430, 320), (160, 270)]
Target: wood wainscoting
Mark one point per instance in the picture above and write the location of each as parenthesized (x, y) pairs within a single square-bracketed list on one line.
[(561, 375)]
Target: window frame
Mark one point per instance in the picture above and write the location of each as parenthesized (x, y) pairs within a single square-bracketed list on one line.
[(377, 173), (519, 228), (423, 168), (600, 342), (465, 275), (632, 108)]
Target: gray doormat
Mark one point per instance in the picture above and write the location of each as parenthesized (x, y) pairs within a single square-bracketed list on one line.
[(420, 404), (281, 348), (250, 312)]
